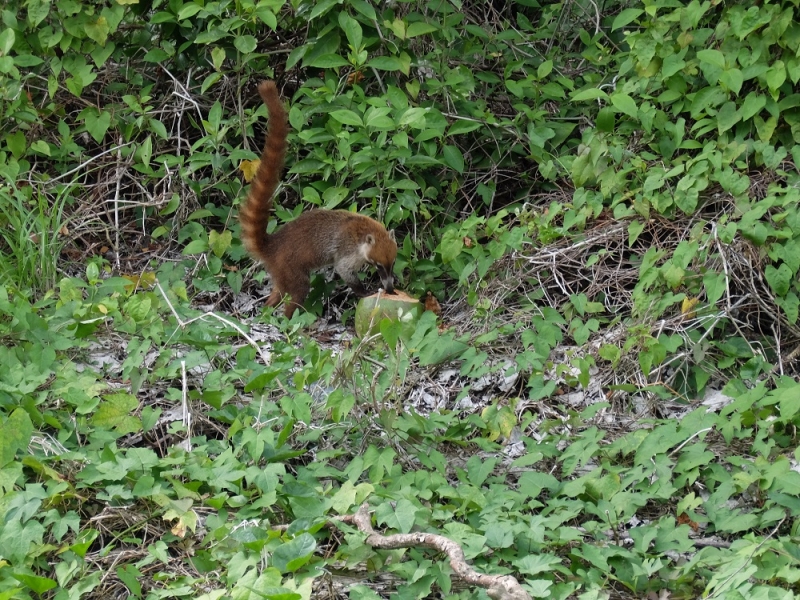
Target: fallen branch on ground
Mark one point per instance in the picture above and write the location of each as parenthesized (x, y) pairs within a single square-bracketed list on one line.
[(498, 587)]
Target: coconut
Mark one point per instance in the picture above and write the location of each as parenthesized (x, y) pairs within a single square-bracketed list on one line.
[(370, 311)]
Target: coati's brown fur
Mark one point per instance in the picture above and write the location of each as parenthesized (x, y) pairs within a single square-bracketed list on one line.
[(317, 238)]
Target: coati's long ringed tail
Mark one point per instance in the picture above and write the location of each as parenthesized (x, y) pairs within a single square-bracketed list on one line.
[(255, 213), (316, 238)]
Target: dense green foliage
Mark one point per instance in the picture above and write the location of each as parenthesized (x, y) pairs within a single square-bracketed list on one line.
[(605, 198)]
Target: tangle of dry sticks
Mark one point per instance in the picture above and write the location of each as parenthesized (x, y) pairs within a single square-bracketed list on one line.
[(498, 587)]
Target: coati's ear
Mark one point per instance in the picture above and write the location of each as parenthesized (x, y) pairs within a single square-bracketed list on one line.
[(391, 235), (370, 239)]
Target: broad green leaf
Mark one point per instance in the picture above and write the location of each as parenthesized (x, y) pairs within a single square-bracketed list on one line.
[(267, 17), (41, 146), (38, 584), (624, 103), (405, 511), (321, 7), (544, 69), (386, 63), (37, 11), (245, 43), (779, 279), (732, 79), (295, 55), (189, 10), (114, 413), (753, 104), (776, 75), (195, 247), (352, 30), (625, 17), (98, 124), (347, 117), (289, 557), (460, 127), (606, 119), (420, 28), (219, 242), (715, 286), (344, 498), (533, 564), (145, 150), (15, 434), (588, 94), (101, 53), (712, 57), (453, 158), (7, 38), (365, 8), (327, 61), (727, 117), (156, 55), (97, 30)]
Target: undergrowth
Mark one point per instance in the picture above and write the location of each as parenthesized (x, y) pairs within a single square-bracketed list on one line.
[(602, 197)]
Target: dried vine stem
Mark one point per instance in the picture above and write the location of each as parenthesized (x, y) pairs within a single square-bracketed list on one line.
[(498, 587)]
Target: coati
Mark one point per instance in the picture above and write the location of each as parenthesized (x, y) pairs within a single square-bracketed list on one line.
[(317, 238)]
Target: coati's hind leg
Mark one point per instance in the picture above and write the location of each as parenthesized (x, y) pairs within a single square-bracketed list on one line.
[(296, 290)]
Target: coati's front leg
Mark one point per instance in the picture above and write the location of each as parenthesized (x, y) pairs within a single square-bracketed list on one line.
[(347, 267), (354, 283)]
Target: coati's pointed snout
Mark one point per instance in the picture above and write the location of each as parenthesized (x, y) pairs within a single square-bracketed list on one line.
[(388, 284)]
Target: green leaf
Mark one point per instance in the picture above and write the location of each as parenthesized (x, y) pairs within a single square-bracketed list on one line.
[(386, 63), (6, 41), (344, 498), (219, 242), (195, 247), (114, 413), (776, 75), (289, 557), (420, 28), (727, 117), (625, 17), (753, 104), (36, 583), (406, 513), (635, 229), (347, 117), (732, 79), (145, 150), (352, 30), (588, 94), (533, 564), (189, 10), (321, 7), (97, 30), (15, 434), (453, 158), (37, 11), (41, 146), (460, 127), (624, 103), (715, 286), (295, 55), (365, 8), (544, 69), (98, 124), (779, 279), (327, 61), (606, 119), (712, 57), (245, 43)]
